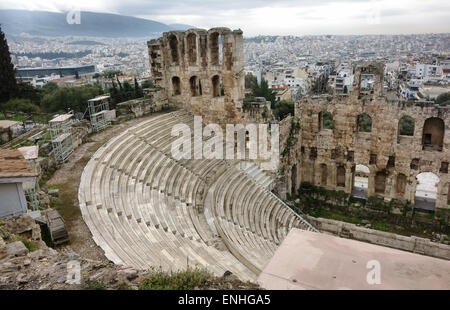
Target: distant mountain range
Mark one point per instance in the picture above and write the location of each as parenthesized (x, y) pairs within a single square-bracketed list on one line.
[(40, 23)]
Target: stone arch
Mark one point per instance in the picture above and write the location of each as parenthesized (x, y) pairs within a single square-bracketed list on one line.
[(380, 182), (406, 126), (216, 86), (433, 134), (426, 192), (194, 85), (191, 43), (325, 120), (176, 86), (340, 176), (323, 174), (401, 184), (364, 123), (360, 181), (173, 45), (214, 48)]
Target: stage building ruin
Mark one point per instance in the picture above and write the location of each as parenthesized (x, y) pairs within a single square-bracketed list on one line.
[(373, 145)]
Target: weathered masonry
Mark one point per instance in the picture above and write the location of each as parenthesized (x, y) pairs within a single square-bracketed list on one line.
[(201, 71), (366, 144)]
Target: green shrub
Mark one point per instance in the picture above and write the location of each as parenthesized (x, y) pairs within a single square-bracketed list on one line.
[(97, 285), (180, 280)]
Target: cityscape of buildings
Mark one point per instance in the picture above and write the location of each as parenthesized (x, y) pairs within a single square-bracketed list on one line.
[(417, 66)]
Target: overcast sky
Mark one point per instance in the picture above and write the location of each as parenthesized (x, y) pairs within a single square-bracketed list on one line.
[(272, 17)]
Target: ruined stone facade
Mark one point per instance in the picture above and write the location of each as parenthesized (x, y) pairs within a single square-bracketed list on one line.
[(327, 156), (201, 71)]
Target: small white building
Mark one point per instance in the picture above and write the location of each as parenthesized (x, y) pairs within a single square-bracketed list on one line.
[(14, 172)]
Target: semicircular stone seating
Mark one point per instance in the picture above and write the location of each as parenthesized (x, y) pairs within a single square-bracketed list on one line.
[(148, 210)]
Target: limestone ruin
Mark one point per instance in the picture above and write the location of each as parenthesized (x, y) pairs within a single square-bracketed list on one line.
[(366, 131)]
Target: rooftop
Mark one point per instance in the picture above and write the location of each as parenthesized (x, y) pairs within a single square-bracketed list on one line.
[(14, 164), (61, 118), (29, 152), (4, 124)]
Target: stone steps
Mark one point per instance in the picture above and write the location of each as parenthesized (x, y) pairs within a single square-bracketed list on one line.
[(149, 210)]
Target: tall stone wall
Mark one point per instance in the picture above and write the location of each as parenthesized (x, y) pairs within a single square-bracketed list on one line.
[(201, 71), (327, 157)]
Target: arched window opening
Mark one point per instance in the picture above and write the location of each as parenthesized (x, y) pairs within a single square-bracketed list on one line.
[(340, 176), (406, 126), (214, 48), (294, 180), (216, 86), (194, 86), (191, 40), (323, 174), (173, 44), (325, 120), (433, 134), (176, 86), (364, 123), (426, 192), (401, 183), (360, 181), (380, 182)]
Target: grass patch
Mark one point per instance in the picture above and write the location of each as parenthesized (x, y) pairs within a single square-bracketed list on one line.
[(123, 287), (180, 280), (66, 203), (30, 245), (96, 286), (340, 217)]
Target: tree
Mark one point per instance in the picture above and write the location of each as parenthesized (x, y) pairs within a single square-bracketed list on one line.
[(50, 87), (443, 99), (28, 91), (283, 108), (8, 84), (21, 105), (70, 98), (250, 81), (263, 90)]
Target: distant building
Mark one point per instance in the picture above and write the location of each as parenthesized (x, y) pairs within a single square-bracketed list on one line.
[(23, 73), (427, 71), (343, 82)]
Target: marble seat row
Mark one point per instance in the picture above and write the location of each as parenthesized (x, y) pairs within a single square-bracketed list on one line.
[(147, 209)]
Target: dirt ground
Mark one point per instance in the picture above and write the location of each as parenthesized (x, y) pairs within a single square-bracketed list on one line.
[(67, 180)]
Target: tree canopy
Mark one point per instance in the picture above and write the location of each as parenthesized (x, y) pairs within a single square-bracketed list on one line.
[(283, 108), (8, 84), (443, 99), (250, 81), (263, 90)]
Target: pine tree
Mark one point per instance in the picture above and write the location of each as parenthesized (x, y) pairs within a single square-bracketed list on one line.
[(8, 84)]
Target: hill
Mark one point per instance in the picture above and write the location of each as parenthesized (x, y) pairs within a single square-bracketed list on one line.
[(40, 23)]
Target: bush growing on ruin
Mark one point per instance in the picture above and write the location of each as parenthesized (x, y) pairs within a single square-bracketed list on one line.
[(406, 126), (180, 280), (263, 90), (283, 108), (443, 99)]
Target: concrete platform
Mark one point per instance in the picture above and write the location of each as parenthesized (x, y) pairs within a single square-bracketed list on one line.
[(308, 260)]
